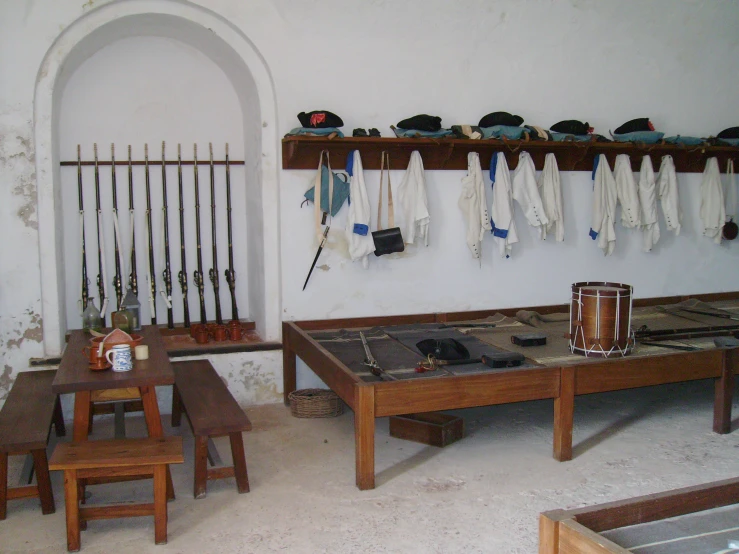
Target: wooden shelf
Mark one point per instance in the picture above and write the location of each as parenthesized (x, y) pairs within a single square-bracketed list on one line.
[(451, 154)]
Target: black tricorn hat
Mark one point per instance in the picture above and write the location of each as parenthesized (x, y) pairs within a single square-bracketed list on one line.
[(443, 349), (320, 119), (421, 122), (730, 133), (572, 127), (501, 118), (639, 124)]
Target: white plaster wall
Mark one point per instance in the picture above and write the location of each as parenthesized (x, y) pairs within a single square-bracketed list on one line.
[(375, 63), (144, 90)]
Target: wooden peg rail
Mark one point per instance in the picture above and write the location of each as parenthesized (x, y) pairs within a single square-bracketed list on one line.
[(451, 154), (124, 162)]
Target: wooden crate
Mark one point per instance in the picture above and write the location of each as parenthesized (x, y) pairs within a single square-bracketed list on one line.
[(433, 428)]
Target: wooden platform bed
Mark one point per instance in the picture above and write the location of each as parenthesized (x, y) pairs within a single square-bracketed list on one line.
[(559, 378), (581, 531)]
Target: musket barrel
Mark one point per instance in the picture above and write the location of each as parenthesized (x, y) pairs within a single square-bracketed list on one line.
[(230, 272), (182, 276), (152, 271), (117, 280), (167, 273), (198, 273), (213, 273), (85, 280), (132, 278), (101, 266)]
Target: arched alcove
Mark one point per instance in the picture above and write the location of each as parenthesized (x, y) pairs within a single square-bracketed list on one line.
[(241, 63)]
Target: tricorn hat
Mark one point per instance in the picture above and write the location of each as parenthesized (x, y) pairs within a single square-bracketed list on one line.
[(421, 122), (635, 125), (572, 127), (320, 119), (501, 118)]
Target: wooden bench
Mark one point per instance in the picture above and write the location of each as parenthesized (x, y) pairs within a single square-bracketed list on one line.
[(25, 423), (115, 458), (212, 412)]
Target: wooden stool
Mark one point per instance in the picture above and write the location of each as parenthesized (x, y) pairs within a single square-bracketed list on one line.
[(25, 423), (116, 458), (212, 412)]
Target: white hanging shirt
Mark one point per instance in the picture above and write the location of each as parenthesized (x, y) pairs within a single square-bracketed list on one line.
[(526, 193), (604, 206), (413, 202), (358, 233), (550, 190), (473, 204), (713, 210), (628, 194), (668, 195), (503, 226), (648, 203)]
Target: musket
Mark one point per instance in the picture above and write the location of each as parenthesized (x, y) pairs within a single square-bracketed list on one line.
[(167, 273), (230, 273), (152, 271), (132, 278), (182, 276), (213, 273), (371, 362), (117, 280), (85, 280), (198, 273), (101, 267)]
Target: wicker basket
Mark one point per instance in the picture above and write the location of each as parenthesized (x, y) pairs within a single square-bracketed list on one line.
[(315, 403)]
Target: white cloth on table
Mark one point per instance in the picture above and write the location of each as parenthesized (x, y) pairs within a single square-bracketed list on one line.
[(604, 207), (503, 226), (550, 190), (668, 194), (526, 193), (648, 204), (474, 206), (713, 210), (628, 194), (358, 235), (413, 202)]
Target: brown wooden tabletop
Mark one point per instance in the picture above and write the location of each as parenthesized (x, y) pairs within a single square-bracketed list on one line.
[(74, 374)]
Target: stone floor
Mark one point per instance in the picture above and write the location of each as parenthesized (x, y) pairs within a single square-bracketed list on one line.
[(481, 494)]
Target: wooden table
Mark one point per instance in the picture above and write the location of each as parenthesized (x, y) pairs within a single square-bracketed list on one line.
[(372, 398), (74, 376)]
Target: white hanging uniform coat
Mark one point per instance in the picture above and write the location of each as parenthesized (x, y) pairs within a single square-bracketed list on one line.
[(628, 194), (648, 203), (503, 226), (474, 205), (526, 193), (358, 233), (413, 202), (713, 210), (550, 190), (604, 207), (668, 195)]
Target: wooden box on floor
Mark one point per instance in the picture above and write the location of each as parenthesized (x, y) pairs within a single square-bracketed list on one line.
[(432, 428)]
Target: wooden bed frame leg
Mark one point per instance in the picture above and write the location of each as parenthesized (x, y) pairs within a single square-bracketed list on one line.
[(564, 406), (724, 389), (43, 482), (289, 378), (3, 485), (364, 435), (549, 532)]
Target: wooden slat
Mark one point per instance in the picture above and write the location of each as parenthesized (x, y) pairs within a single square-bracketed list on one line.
[(220, 472), (404, 397), (110, 474), (112, 395), (653, 507), (25, 418), (115, 453), (627, 373), (74, 374), (578, 539), (29, 491), (116, 510), (209, 405)]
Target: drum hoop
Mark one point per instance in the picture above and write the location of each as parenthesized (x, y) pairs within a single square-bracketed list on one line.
[(581, 287)]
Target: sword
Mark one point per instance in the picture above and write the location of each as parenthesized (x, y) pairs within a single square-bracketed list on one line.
[(320, 247), (371, 362)]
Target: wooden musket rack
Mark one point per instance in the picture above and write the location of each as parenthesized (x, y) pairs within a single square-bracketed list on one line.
[(302, 152), (122, 162)]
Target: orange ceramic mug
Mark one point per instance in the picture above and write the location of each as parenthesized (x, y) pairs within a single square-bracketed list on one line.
[(93, 356)]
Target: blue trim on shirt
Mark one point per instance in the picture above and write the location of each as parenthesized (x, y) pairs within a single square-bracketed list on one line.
[(493, 166), (595, 166), (350, 163)]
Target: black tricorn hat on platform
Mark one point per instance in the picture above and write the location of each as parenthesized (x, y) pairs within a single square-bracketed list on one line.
[(446, 349), (501, 118), (572, 127), (320, 119), (421, 122), (730, 133), (635, 125)]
